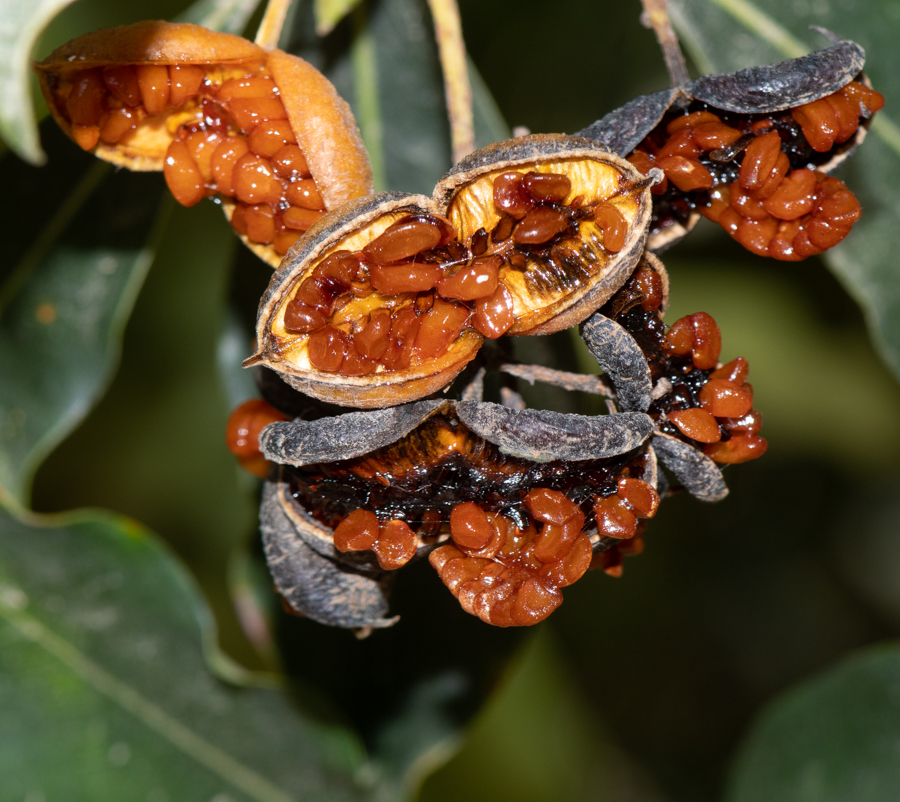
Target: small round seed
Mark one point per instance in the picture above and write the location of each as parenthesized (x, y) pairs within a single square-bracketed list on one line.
[(742, 448), (698, 424), (153, 83), (540, 225), (725, 399), (357, 532)]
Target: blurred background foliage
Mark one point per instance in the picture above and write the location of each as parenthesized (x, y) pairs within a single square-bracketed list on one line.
[(650, 687)]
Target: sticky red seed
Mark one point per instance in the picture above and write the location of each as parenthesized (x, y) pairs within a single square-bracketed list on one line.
[(184, 82), (556, 540), (759, 160), (742, 448), (439, 327), (250, 112), (247, 87), (396, 545), (260, 223), (551, 506), (116, 123), (681, 143), (613, 518), (756, 235), (410, 277), (686, 174), (639, 495), (725, 399), (510, 195), (478, 280), (818, 122), (304, 193), (270, 137), (715, 135), (540, 225), (494, 314), (735, 371), (226, 155), (572, 567), (289, 162), (794, 197), (372, 339), (302, 319), (122, 83), (404, 239), (245, 425), (613, 225), (470, 527), (327, 348), (153, 83), (549, 187), (182, 175), (707, 341), (697, 424), (534, 602), (357, 532), (301, 219), (693, 120), (85, 102)]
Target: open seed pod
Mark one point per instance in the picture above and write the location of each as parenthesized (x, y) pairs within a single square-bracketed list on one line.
[(565, 219), (263, 132), (347, 322), (702, 410), (751, 150), (510, 504), (386, 299)]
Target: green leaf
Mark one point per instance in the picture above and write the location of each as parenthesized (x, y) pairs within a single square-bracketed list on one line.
[(228, 16), (724, 35), (22, 25), (831, 740), (330, 12), (105, 692), (64, 308)]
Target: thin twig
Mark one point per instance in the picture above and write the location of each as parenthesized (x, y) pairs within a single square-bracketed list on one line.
[(452, 53), (656, 16), (269, 34)]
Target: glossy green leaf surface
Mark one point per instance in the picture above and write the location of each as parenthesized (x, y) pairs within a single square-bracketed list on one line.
[(22, 25), (725, 35), (105, 692), (64, 308), (833, 739)]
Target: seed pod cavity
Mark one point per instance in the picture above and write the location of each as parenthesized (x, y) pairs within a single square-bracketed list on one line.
[(696, 472), (566, 215), (542, 435), (344, 436), (313, 584)]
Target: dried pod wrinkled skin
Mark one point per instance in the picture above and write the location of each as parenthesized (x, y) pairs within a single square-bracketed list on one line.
[(263, 131), (751, 150), (357, 496), (702, 410), (388, 298)]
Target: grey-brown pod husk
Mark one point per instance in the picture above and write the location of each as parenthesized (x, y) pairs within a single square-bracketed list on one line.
[(333, 592), (756, 90), (349, 228), (555, 294), (696, 472), (343, 436), (621, 358), (542, 436)]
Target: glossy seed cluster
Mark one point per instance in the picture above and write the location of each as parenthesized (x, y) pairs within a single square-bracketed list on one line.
[(427, 287), (755, 174), (232, 138), (708, 406)]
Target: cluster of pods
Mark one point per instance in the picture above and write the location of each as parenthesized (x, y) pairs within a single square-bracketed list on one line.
[(380, 302)]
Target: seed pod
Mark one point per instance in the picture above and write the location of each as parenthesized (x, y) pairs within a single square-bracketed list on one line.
[(325, 327), (359, 495), (388, 298), (567, 215), (750, 150), (265, 132)]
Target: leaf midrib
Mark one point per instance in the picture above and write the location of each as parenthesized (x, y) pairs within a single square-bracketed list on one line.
[(226, 766)]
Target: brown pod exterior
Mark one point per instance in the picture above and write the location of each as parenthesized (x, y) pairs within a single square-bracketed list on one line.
[(320, 119), (549, 298), (350, 227)]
